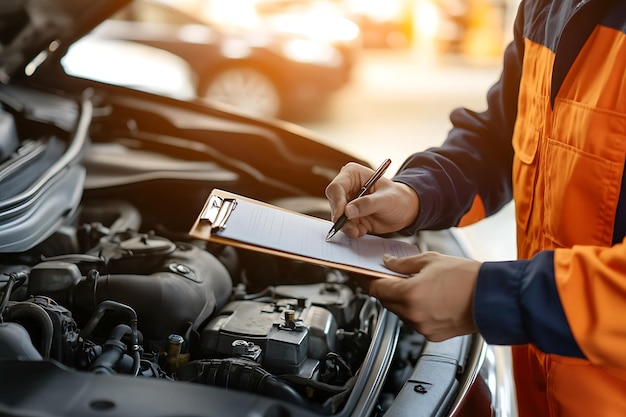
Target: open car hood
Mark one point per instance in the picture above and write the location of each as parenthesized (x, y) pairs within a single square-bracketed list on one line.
[(33, 30)]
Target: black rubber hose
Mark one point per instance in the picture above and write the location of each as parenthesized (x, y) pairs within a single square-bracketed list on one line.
[(240, 374), (13, 279), (109, 305), (33, 311), (113, 351)]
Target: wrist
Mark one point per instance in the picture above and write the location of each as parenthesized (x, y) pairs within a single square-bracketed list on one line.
[(410, 196)]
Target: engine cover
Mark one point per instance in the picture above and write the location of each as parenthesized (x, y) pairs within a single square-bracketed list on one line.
[(174, 293)]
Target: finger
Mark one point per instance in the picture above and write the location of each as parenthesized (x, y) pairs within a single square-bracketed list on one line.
[(361, 229), (410, 264), (373, 203), (387, 289), (354, 230), (345, 185), (336, 194)]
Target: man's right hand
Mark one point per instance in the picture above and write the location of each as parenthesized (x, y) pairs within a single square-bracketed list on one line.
[(389, 207)]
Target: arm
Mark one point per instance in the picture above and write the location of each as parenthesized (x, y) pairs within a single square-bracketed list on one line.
[(472, 168), (517, 302), (591, 282), (568, 301), (509, 303)]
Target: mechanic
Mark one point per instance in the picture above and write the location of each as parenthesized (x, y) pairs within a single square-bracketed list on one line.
[(553, 139)]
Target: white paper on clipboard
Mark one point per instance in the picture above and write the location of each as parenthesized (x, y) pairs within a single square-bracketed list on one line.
[(240, 221)]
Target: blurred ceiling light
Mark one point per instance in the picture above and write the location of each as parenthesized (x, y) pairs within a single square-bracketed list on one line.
[(199, 34), (377, 10), (427, 18), (238, 13), (326, 27)]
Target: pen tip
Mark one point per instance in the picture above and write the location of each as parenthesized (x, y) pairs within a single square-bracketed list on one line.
[(330, 235)]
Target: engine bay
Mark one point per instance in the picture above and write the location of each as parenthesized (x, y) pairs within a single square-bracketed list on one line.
[(126, 302)]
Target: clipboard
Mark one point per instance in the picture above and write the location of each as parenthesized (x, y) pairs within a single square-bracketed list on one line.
[(243, 222)]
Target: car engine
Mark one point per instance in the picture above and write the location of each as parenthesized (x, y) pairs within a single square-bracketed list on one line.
[(116, 300)]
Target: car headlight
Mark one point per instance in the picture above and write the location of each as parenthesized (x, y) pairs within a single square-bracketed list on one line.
[(310, 52)]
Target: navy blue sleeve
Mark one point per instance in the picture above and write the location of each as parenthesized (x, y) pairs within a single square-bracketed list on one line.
[(517, 302), (476, 158)]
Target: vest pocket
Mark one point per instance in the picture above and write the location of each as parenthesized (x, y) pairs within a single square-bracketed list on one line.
[(525, 144), (581, 194)]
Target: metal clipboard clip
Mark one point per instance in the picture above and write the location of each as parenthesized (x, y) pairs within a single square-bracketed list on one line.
[(217, 211)]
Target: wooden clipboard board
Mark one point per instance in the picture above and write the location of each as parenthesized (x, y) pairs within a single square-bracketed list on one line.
[(243, 222)]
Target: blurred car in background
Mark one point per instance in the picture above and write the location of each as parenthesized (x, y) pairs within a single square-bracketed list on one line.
[(280, 69)]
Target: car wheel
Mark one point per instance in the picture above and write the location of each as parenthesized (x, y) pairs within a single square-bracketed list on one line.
[(245, 88)]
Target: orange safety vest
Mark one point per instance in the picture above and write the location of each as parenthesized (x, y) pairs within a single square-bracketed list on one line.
[(567, 173)]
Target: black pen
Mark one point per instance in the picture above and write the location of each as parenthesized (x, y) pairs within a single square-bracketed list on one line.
[(375, 177)]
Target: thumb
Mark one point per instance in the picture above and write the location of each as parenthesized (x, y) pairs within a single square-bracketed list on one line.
[(407, 265)]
